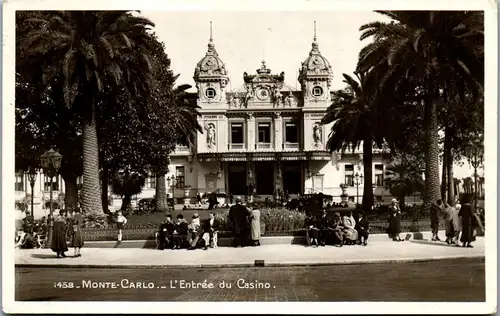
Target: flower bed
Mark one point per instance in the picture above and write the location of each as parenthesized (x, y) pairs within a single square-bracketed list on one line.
[(277, 221)]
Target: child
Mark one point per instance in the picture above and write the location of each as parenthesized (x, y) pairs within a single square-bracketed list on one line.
[(120, 223), (362, 227)]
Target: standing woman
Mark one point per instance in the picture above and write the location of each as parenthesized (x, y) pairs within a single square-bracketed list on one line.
[(255, 225), (76, 234), (466, 213), (120, 223), (395, 220), (59, 245)]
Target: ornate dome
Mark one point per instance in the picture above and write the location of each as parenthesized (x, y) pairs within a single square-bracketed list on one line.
[(315, 64), (210, 65)]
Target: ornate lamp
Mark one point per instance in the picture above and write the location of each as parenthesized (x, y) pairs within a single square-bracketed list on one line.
[(32, 173), (51, 162), (358, 180)]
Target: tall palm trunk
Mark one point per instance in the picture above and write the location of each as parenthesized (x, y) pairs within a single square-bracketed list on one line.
[(367, 164), (431, 193), (71, 194), (105, 188), (448, 150), (444, 183), (91, 193), (161, 194)]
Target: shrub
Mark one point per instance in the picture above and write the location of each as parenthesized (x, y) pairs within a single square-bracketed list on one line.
[(95, 220), (281, 219)]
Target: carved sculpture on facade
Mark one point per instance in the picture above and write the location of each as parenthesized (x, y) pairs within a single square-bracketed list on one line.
[(360, 161), (338, 158), (290, 100), (317, 134), (210, 128), (277, 97)]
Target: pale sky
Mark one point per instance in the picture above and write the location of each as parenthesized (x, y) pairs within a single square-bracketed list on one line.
[(244, 39)]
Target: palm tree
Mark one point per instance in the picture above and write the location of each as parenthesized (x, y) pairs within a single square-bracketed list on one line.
[(354, 116), (433, 52), (185, 126), (89, 51)]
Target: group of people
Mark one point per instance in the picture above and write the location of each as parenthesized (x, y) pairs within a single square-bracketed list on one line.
[(245, 222), (460, 221), (338, 232), (67, 226), (180, 234)]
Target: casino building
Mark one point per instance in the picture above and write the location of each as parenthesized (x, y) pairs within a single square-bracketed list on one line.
[(266, 136)]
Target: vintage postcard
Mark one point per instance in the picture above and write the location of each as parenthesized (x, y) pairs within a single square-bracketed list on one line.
[(294, 156)]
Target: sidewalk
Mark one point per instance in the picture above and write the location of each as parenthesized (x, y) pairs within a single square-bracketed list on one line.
[(267, 255)]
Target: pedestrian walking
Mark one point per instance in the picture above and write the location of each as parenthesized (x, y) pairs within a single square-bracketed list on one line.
[(76, 239), (436, 210), (255, 225), (238, 216), (457, 223), (395, 220), (58, 244), (120, 224), (468, 222)]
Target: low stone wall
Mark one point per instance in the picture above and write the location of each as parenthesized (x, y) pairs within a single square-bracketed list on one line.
[(227, 241)]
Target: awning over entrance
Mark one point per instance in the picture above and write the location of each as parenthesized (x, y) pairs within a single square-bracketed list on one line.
[(264, 156)]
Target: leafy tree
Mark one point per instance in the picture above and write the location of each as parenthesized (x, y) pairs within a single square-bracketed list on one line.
[(434, 51), (90, 51), (127, 184)]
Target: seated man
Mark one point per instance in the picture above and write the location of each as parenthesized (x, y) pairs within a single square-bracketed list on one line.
[(323, 229), (210, 230), (165, 234), (195, 231), (180, 232), (311, 230), (336, 230), (362, 227)]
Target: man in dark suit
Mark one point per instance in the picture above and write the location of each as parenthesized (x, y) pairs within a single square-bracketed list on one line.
[(238, 215), (166, 232), (362, 227)]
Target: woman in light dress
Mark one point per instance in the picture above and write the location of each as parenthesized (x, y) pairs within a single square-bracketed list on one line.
[(255, 226), (350, 233)]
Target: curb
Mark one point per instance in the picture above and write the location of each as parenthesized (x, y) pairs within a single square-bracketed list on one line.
[(257, 263)]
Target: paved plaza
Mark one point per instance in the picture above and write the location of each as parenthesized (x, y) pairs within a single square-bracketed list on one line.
[(377, 251), (452, 280)]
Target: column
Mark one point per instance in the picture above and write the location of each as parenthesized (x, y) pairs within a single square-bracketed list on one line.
[(278, 135), (250, 141)]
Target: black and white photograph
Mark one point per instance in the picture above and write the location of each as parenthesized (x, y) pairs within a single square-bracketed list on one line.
[(196, 155)]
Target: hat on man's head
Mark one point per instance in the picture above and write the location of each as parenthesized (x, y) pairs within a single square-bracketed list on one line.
[(196, 215), (394, 201), (237, 198)]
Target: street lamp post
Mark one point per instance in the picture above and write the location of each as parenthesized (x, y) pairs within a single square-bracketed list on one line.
[(475, 160), (51, 162), (32, 173), (172, 183), (358, 180)]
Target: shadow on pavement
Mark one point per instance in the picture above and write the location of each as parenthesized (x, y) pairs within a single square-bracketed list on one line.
[(44, 256), (432, 243)]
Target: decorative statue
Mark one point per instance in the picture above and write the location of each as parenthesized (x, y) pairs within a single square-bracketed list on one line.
[(210, 128), (277, 97), (290, 101), (317, 134)]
